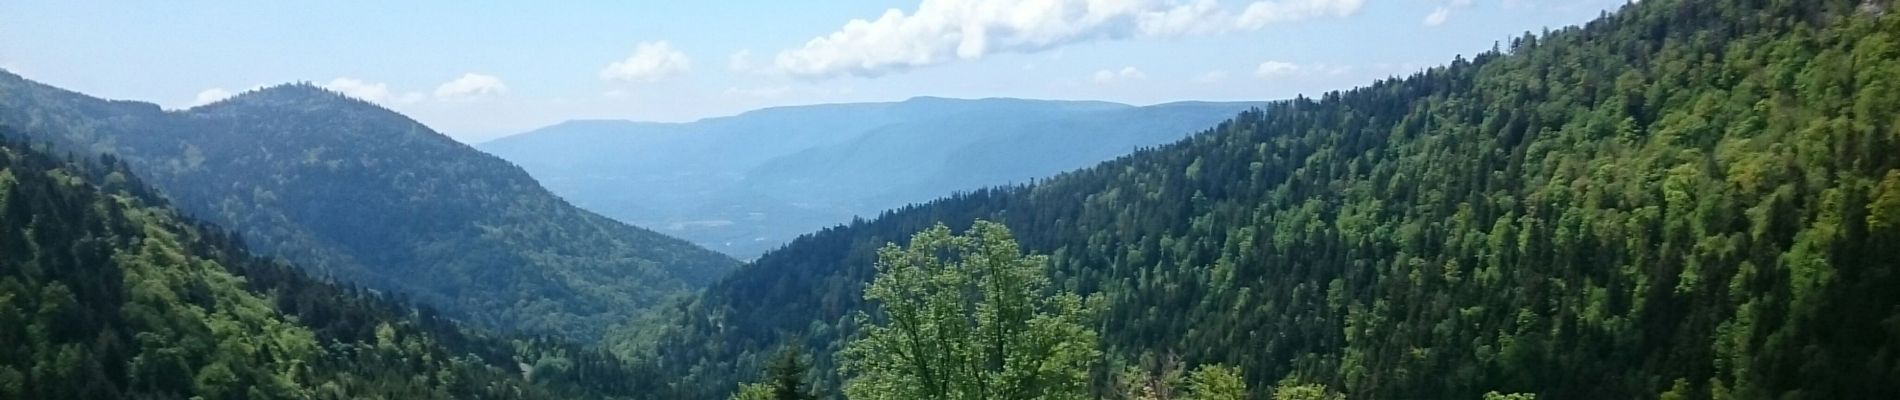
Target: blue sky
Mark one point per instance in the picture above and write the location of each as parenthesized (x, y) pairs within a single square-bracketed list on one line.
[(476, 70)]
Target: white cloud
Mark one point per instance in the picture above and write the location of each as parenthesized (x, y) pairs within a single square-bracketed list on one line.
[(1283, 69), (1126, 73), (209, 96), (1200, 16), (1215, 76), (217, 94), (374, 92), (1275, 69), (1437, 17), (944, 31), (1443, 13), (651, 61), (471, 86), (740, 61), (1263, 13)]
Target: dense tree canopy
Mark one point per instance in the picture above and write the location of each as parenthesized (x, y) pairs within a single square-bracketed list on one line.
[(350, 190), (1695, 198), (106, 293)]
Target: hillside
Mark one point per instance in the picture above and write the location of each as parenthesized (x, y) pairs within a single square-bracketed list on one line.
[(107, 294), (1683, 199), (749, 183), (356, 192)]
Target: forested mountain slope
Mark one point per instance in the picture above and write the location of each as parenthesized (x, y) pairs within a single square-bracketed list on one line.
[(1685, 197), (358, 192), (748, 183), (105, 294)]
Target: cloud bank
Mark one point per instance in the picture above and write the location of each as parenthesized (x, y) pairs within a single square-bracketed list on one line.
[(209, 96), (650, 62), (1275, 69), (944, 31), (1439, 15), (471, 86), (374, 92)]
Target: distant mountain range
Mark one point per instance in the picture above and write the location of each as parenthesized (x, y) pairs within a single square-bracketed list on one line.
[(362, 194), (748, 183)]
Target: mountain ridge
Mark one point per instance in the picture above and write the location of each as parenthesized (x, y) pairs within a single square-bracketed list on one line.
[(353, 190), (107, 293), (746, 183)]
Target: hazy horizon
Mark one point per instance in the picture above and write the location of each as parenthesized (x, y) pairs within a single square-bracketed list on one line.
[(482, 71)]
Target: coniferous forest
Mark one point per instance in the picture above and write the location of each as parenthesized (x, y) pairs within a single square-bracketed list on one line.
[(347, 189), (108, 293), (1681, 199)]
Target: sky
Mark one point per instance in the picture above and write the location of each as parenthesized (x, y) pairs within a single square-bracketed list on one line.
[(480, 70)]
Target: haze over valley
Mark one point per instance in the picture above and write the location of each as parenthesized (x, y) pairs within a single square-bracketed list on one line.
[(749, 183)]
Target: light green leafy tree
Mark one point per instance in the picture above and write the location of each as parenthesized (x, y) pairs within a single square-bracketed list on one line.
[(753, 391), (1161, 378), (1290, 389), (968, 317), (1216, 382), (1154, 378), (1509, 396)]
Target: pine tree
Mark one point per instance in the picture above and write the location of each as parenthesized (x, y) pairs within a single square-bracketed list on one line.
[(788, 376)]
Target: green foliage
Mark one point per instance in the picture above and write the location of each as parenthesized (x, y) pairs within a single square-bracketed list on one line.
[(1884, 212), (1682, 190), (787, 376), (1154, 378), (1292, 390), (968, 317), (107, 294), (357, 192), (1679, 391), (753, 391), (1521, 396), (1216, 382), (1160, 378)]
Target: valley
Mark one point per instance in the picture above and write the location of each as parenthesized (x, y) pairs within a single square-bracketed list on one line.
[(749, 183)]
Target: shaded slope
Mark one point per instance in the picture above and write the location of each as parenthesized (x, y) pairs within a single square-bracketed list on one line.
[(105, 294), (355, 191)]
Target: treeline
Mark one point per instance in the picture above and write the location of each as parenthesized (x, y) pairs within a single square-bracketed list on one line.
[(970, 317), (1683, 199), (106, 293)]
